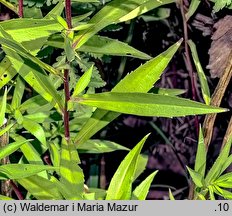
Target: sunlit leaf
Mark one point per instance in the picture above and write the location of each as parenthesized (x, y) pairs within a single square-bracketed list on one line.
[(99, 146), (140, 80), (145, 104), (196, 177), (17, 171), (112, 13), (10, 148), (121, 184), (83, 82), (218, 166), (40, 188), (142, 189)]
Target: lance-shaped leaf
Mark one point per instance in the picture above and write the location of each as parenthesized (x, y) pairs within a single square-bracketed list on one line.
[(71, 174), (142, 190), (40, 188), (140, 80), (6, 128), (224, 180), (35, 77), (121, 184), (18, 93), (203, 80), (108, 46), (17, 47), (219, 165), (10, 148), (192, 8), (32, 33), (146, 104), (100, 146), (101, 45), (83, 82), (35, 129), (112, 13), (197, 178), (28, 150), (143, 8), (200, 162), (17, 171)]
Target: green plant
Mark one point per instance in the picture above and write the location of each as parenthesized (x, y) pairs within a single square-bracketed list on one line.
[(214, 182), (55, 117)]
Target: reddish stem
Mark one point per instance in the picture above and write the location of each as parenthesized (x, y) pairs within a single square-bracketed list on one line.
[(16, 190), (20, 8), (67, 97), (68, 13)]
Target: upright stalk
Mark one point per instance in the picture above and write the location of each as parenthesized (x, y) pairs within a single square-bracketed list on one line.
[(66, 75), (20, 12)]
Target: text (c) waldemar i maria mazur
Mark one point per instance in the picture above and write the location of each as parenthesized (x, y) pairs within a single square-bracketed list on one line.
[(105, 207)]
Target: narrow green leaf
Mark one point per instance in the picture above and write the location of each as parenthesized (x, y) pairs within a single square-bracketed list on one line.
[(201, 74), (17, 171), (99, 146), (218, 166), (17, 47), (101, 45), (55, 154), (192, 8), (69, 51), (171, 197), (83, 82), (112, 13), (211, 192), (18, 93), (28, 150), (224, 180), (32, 33), (140, 80), (40, 117), (35, 129), (227, 163), (200, 161), (107, 46), (221, 192), (57, 10), (6, 129), (146, 104), (141, 165), (37, 78), (35, 104), (40, 188), (3, 108), (121, 184), (143, 8), (142, 189), (71, 174), (10, 148), (196, 177)]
